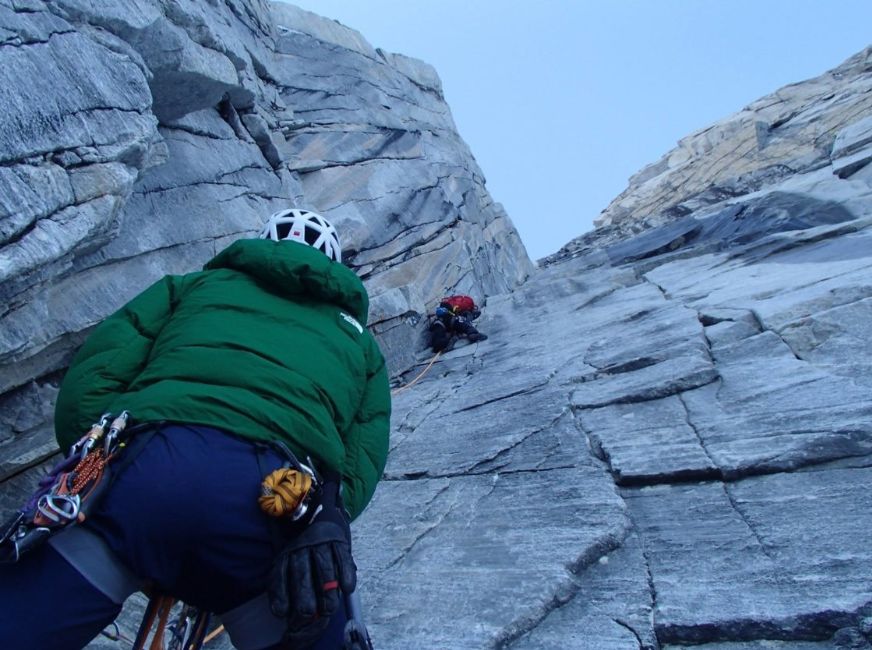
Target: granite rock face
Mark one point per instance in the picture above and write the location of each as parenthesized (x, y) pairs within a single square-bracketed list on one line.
[(705, 382), (659, 446), (139, 139), (653, 450), (664, 443)]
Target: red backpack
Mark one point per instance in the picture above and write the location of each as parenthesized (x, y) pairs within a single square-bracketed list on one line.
[(458, 304)]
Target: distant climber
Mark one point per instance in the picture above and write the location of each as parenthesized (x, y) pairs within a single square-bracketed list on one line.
[(454, 317), (258, 366)]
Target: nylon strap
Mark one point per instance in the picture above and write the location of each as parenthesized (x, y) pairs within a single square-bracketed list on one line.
[(96, 562), (253, 626), (86, 551)]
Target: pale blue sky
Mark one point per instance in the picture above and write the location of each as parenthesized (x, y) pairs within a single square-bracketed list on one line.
[(562, 101)]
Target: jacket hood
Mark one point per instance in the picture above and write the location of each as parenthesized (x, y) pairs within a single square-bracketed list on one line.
[(293, 269)]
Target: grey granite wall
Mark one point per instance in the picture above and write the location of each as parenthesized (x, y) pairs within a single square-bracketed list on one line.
[(664, 443), (139, 139)]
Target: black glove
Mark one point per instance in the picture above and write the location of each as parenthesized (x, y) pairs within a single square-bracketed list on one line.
[(312, 571)]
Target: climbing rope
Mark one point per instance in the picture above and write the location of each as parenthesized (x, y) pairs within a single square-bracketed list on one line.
[(415, 380), (284, 491), (214, 633)]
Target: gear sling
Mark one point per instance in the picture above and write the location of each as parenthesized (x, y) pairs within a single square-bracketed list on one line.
[(70, 491)]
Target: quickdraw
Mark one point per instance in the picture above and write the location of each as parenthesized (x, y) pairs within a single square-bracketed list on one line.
[(68, 493)]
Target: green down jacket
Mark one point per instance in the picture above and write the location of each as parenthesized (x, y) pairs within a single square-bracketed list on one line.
[(268, 342)]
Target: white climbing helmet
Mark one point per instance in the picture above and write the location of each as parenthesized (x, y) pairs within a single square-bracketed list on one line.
[(304, 227)]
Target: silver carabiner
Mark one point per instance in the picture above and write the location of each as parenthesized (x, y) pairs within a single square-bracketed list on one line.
[(117, 427), (59, 507), (84, 445)]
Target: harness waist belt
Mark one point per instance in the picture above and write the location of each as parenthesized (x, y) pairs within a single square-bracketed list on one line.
[(96, 562)]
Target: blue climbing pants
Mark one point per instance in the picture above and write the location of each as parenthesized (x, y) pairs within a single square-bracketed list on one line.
[(184, 516)]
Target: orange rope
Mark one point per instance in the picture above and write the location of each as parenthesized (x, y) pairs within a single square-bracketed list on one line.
[(218, 630), (415, 380), (87, 470), (283, 491)]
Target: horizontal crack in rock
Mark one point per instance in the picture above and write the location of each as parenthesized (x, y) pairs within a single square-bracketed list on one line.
[(524, 391), (428, 475), (811, 626)]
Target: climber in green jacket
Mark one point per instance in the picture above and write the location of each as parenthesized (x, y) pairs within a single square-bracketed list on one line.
[(259, 361)]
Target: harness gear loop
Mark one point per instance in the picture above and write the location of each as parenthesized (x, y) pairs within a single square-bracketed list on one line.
[(69, 492), (62, 504), (285, 492)]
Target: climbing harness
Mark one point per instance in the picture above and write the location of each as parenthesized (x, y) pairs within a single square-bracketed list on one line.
[(69, 492), (286, 494), (252, 624)]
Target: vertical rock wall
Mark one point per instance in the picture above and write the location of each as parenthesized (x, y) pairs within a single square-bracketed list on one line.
[(677, 455), (138, 139)]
